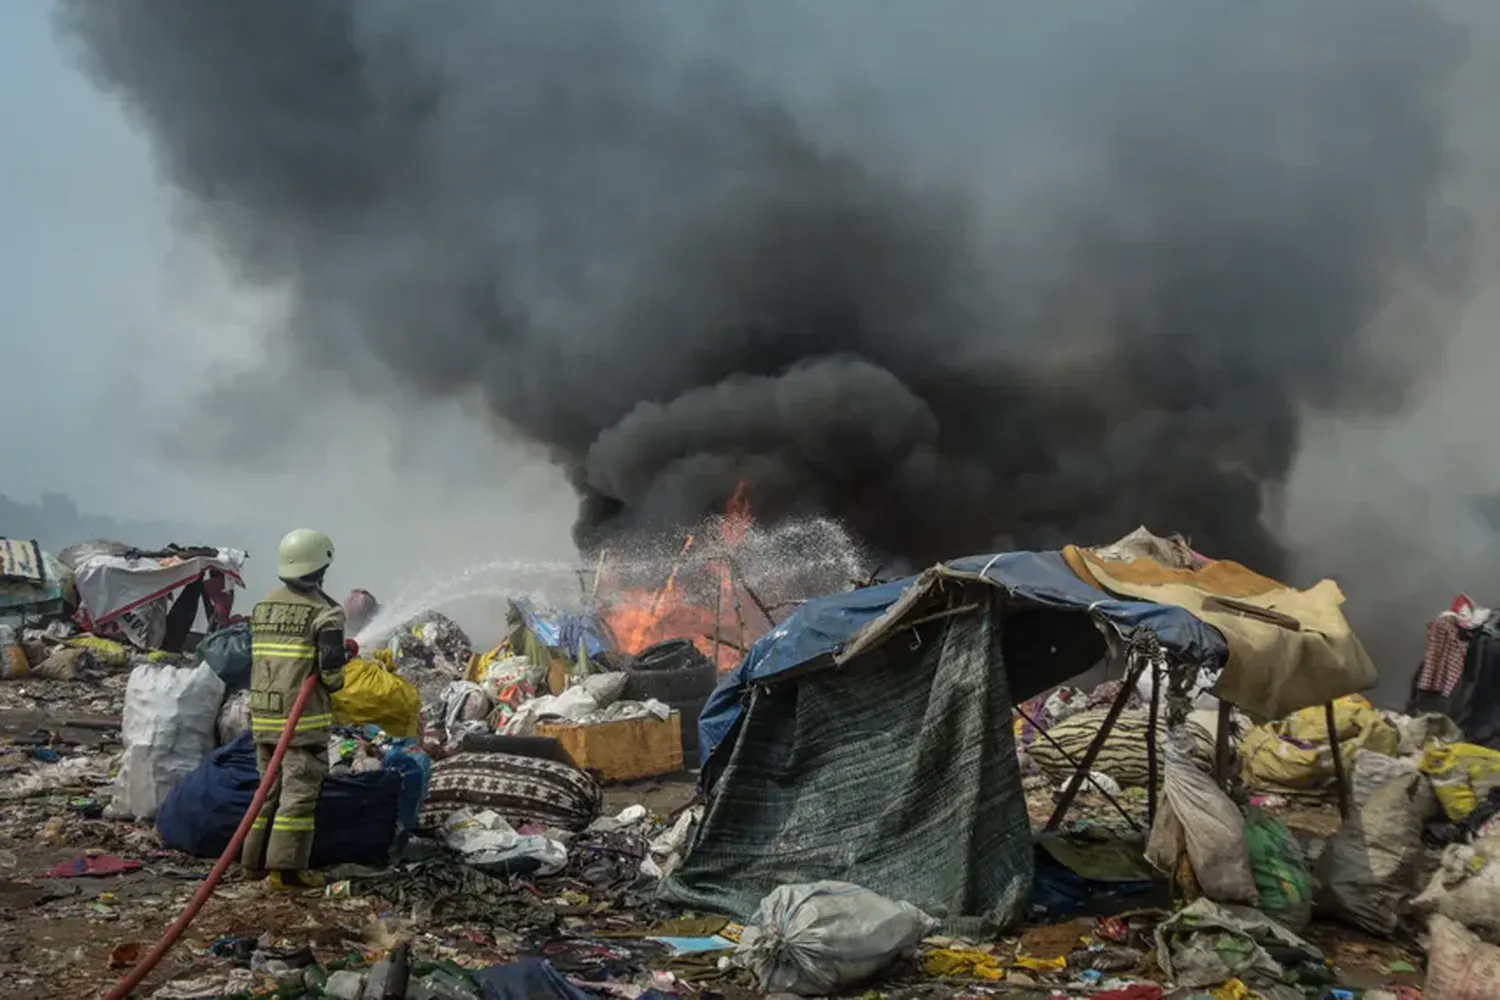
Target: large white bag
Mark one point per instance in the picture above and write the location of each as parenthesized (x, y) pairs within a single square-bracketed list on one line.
[(1196, 817), (1460, 966), (1467, 888), (818, 937), (168, 729)]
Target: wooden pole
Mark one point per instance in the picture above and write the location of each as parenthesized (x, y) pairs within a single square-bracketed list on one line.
[(1338, 760), (1151, 743), (718, 616), (765, 611), (598, 573), (1221, 743), (1084, 766)]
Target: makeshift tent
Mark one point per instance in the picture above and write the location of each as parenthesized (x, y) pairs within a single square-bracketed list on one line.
[(32, 582), (125, 591), (1289, 649), (868, 737)]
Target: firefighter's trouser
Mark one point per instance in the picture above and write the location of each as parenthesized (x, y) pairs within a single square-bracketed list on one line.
[(281, 837)]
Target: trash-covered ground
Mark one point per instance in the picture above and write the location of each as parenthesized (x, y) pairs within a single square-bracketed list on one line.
[(84, 897), (511, 822)]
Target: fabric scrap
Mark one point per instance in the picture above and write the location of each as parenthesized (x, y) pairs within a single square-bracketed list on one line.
[(1443, 656), (1135, 991), (962, 962), (1034, 964), (93, 866)]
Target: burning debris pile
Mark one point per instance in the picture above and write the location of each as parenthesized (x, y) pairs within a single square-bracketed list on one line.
[(728, 582)]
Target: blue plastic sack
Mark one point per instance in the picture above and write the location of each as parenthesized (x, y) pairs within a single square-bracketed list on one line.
[(356, 819), (412, 763), (227, 652)]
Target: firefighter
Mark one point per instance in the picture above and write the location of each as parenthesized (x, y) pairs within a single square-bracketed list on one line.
[(297, 631)]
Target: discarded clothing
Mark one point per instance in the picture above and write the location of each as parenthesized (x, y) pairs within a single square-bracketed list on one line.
[(1443, 657)]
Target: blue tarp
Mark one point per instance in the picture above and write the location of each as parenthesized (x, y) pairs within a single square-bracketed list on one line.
[(559, 629), (822, 626)]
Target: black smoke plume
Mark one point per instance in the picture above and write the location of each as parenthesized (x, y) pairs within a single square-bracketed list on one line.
[(675, 273)]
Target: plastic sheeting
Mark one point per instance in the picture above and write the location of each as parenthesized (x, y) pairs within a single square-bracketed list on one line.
[(559, 629), (839, 624), (37, 597), (109, 585)]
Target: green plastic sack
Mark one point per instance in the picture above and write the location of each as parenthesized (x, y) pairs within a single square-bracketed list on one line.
[(1280, 869)]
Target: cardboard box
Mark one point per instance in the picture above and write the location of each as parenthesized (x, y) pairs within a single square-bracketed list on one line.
[(629, 750)]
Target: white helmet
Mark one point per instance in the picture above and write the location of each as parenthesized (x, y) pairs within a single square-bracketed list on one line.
[(302, 553)]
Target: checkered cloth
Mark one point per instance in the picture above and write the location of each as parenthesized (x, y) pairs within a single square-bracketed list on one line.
[(1443, 660)]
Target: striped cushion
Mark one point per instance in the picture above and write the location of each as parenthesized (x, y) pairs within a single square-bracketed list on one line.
[(521, 789), (1123, 756)]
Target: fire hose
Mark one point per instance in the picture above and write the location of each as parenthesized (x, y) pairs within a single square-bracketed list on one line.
[(206, 887)]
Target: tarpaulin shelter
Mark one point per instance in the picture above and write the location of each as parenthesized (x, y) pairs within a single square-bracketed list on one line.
[(1289, 649), (868, 737), (32, 582), (125, 591)]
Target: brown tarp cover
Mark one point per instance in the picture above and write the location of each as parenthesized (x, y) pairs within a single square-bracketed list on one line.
[(1288, 648)]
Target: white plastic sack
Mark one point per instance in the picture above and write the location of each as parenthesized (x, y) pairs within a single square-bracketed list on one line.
[(484, 838), (168, 728), (234, 717), (465, 707), (1197, 817), (1459, 965), (502, 673), (819, 937), (1466, 888), (1369, 870), (1373, 770), (1198, 694), (605, 689), (671, 846)]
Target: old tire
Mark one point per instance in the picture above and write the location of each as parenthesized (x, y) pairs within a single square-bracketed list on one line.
[(683, 688), (673, 654), (671, 686)]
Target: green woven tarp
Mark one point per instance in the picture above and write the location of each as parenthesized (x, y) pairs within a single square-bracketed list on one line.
[(896, 772)]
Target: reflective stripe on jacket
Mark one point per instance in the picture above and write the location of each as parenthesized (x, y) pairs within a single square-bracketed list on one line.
[(283, 654)]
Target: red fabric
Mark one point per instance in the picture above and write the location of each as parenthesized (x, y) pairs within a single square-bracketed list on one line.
[(1112, 929), (1443, 660), (1135, 991), (216, 587), (96, 865)]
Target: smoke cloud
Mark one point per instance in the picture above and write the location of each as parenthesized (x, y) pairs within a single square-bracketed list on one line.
[(1039, 277)]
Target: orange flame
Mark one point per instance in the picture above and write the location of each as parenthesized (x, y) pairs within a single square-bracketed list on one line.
[(716, 624)]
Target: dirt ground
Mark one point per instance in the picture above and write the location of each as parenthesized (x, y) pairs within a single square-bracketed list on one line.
[(71, 938)]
